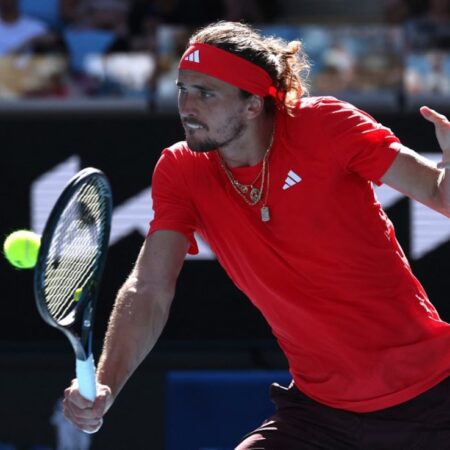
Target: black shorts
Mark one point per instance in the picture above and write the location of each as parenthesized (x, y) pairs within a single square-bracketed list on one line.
[(300, 423)]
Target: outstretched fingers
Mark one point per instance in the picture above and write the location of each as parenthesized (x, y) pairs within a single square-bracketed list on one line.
[(442, 129), (433, 116)]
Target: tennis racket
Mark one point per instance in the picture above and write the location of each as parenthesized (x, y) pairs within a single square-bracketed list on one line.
[(73, 250)]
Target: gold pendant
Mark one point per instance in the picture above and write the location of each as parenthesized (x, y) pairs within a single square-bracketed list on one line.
[(242, 187), (255, 195), (265, 213)]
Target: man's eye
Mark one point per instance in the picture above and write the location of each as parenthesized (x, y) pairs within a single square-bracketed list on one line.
[(206, 94)]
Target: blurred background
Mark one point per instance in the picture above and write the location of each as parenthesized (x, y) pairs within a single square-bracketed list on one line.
[(91, 83)]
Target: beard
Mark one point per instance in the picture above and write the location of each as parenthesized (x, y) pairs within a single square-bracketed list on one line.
[(234, 131)]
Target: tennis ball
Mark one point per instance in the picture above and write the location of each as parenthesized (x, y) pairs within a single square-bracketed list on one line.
[(77, 294), (21, 248)]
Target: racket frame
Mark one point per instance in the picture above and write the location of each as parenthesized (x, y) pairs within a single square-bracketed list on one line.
[(77, 325)]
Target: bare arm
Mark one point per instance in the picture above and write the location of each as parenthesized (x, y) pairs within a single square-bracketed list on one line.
[(419, 178), (139, 315), (141, 308)]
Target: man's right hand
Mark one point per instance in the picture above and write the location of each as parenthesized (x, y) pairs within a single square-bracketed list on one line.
[(84, 414)]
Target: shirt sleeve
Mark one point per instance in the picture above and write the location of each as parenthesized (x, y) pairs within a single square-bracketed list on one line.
[(361, 145), (173, 209)]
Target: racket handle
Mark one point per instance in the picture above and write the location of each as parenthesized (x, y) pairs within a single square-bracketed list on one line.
[(85, 371)]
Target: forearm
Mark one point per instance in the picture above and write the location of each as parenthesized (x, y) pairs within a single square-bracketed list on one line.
[(420, 179), (138, 317), (137, 320), (443, 191)]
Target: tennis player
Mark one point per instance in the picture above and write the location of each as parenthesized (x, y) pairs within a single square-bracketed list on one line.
[(281, 187)]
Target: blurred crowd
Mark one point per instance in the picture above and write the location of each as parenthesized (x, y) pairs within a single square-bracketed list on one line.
[(426, 27), (426, 23), (68, 48), (130, 48)]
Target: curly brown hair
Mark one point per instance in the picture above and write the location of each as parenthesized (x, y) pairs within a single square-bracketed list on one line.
[(284, 61)]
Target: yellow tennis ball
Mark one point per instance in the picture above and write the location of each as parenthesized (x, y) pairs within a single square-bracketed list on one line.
[(21, 248), (77, 294)]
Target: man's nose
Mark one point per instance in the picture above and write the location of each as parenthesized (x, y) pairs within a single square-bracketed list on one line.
[(187, 105)]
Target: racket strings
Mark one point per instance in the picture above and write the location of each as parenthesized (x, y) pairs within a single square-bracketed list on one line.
[(73, 256)]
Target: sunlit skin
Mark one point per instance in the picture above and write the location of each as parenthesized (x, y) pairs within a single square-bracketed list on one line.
[(215, 116)]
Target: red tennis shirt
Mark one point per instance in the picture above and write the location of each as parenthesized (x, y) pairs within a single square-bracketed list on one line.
[(326, 271)]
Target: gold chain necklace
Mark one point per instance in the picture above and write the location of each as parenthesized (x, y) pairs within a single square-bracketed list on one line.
[(247, 189), (250, 193)]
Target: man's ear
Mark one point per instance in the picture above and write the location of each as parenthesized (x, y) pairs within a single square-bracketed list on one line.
[(255, 106)]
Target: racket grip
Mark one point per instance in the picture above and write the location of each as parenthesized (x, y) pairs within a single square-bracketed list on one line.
[(85, 371)]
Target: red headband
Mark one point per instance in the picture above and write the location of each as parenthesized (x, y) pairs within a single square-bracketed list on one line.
[(228, 67)]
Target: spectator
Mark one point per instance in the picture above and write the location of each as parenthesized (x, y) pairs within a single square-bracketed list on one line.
[(338, 69), (428, 74), (19, 34), (432, 29), (437, 80), (107, 15)]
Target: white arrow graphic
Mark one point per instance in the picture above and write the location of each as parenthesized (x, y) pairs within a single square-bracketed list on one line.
[(132, 215)]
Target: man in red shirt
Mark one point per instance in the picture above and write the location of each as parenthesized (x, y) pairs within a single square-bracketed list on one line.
[(280, 186)]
